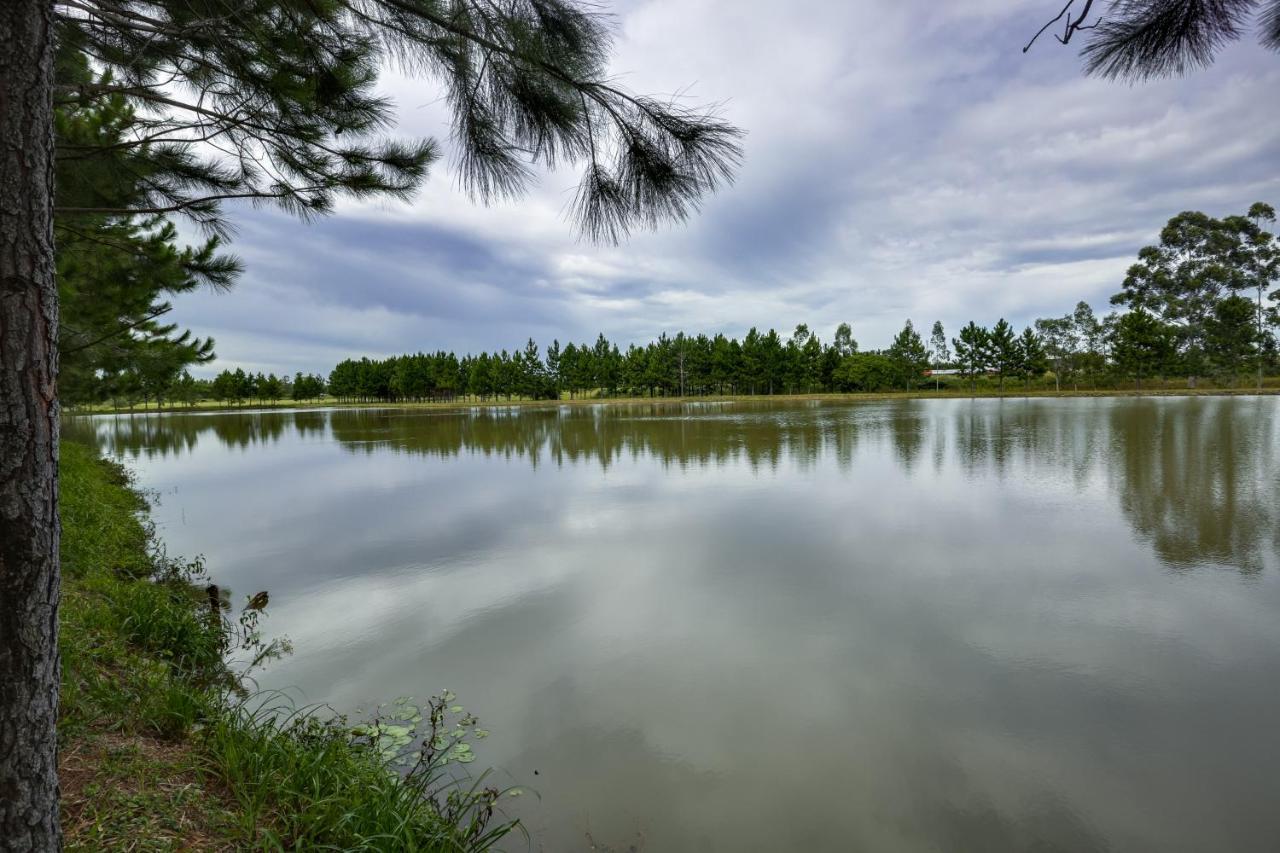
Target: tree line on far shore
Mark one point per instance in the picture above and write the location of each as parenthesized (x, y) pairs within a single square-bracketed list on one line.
[(230, 386), (682, 365)]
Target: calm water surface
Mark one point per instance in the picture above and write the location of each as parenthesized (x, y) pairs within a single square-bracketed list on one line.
[(913, 625)]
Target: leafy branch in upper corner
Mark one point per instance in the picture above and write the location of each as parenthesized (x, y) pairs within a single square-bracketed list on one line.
[(275, 102), (1142, 39)]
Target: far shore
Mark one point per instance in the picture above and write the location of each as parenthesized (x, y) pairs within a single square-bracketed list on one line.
[(1271, 388)]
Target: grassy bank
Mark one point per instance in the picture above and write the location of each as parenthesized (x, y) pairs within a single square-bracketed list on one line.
[(985, 390), (161, 750)]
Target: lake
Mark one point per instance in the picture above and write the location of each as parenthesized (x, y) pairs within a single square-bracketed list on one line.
[(911, 625)]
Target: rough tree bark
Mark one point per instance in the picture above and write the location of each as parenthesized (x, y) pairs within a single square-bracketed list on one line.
[(28, 433)]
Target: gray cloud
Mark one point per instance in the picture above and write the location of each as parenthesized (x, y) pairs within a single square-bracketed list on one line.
[(901, 162)]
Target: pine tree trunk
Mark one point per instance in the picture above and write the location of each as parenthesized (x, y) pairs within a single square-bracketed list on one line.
[(28, 434)]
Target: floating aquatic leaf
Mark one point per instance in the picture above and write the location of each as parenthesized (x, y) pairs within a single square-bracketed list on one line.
[(482, 733), (388, 730), (456, 709), (408, 758), (462, 754)]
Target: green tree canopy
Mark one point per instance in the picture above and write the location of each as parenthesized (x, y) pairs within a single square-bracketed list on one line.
[(973, 350), (909, 356), (1199, 261), (1005, 355), (1141, 345)]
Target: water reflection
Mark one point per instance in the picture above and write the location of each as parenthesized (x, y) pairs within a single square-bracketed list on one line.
[(1196, 477), (907, 625)]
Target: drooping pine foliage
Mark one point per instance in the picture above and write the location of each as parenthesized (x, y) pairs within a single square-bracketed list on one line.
[(117, 273), (274, 101), (1142, 39)]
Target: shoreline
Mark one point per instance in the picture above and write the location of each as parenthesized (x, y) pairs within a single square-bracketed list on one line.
[(822, 397)]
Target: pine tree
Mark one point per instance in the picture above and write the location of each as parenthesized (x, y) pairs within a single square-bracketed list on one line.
[(909, 356), (1032, 361), (972, 351), (1004, 349), (1141, 345), (116, 274), (553, 366), (1232, 337)]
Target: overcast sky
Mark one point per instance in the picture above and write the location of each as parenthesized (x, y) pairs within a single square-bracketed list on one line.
[(903, 160)]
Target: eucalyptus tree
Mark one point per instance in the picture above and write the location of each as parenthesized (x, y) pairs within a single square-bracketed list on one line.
[(843, 342), (804, 351), (1142, 39), (1058, 335), (1261, 259), (939, 354), (1091, 336), (1199, 261)]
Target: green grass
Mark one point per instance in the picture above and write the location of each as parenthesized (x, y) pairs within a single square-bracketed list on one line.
[(159, 748)]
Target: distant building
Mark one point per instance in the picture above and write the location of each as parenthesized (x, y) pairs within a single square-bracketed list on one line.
[(950, 371)]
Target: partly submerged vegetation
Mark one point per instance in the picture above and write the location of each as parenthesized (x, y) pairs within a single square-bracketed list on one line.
[(162, 749)]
